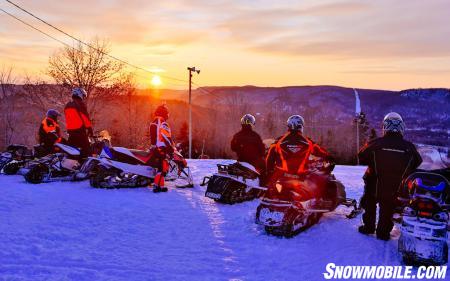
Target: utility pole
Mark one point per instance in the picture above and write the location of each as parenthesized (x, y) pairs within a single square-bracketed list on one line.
[(191, 69)]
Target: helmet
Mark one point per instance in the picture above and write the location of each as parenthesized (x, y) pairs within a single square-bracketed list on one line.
[(393, 122), (162, 111), (248, 119), (296, 123), (53, 113), (79, 93)]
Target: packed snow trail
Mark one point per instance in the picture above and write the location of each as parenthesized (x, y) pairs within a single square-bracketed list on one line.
[(70, 231)]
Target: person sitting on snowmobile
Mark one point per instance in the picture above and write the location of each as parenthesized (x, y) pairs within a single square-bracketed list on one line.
[(291, 154), (78, 123), (49, 132), (390, 158), (248, 144), (162, 145)]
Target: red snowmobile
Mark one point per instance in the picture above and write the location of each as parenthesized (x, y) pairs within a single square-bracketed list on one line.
[(293, 203)]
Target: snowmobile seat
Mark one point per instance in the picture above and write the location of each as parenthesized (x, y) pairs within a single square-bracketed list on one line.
[(143, 155)]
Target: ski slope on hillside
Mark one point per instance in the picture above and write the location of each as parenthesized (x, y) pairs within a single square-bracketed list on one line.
[(70, 231)]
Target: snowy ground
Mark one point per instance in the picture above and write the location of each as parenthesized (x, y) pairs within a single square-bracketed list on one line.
[(69, 231)]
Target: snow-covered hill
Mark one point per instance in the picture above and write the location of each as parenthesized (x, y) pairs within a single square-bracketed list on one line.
[(70, 231)]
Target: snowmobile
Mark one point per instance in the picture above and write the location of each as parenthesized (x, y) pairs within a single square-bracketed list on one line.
[(122, 167), (294, 203), (57, 166), (15, 157), (425, 219), (234, 183)]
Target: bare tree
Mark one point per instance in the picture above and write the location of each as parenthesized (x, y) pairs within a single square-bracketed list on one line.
[(42, 95), (90, 68), (7, 104)]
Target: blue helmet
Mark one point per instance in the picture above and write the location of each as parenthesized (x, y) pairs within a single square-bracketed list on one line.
[(53, 113)]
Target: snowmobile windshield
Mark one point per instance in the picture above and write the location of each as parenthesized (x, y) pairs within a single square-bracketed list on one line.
[(433, 192)]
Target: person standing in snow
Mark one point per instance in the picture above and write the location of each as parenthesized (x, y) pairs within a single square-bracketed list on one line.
[(248, 145), (78, 123), (162, 145), (49, 131), (389, 158)]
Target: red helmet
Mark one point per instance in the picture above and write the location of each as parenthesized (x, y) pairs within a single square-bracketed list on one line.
[(162, 111)]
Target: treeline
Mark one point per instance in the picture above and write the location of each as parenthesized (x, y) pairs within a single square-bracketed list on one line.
[(115, 104)]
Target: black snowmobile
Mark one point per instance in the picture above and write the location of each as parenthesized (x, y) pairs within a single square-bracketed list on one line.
[(234, 183), (425, 218), (293, 203), (64, 165), (15, 157)]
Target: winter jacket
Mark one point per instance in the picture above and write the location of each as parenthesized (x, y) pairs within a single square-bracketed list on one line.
[(290, 154), (160, 134), (77, 116), (49, 133), (390, 159), (248, 146)]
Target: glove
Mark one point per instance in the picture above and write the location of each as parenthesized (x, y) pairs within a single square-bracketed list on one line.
[(90, 132)]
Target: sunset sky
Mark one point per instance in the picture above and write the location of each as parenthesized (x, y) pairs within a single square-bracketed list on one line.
[(370, 44)]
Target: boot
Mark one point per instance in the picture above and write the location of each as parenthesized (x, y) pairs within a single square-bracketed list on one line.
[(366, 230), (156, 189), (383, 236)]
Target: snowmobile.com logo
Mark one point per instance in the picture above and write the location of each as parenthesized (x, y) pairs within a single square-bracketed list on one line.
[(334, 271)]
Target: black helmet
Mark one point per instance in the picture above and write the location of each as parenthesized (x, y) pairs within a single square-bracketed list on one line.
[(53, 114), (393, 122)]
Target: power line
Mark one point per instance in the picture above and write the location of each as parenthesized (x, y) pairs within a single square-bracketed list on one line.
[(37, 29), (69, 46), (89, 45)]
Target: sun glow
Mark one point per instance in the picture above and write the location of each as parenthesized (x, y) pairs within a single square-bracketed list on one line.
[(156, 81)]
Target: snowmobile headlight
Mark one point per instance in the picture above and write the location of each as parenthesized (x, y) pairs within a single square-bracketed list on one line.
[(442, 216), (409, 212)]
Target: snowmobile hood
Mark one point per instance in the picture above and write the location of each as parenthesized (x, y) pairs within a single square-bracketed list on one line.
[(249, 166), (68, 149)]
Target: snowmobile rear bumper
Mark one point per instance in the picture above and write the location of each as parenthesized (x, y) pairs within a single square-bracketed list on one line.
[(422, 243), (229, 189)]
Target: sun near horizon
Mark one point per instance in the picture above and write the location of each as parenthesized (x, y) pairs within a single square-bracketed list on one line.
[(379, 45)]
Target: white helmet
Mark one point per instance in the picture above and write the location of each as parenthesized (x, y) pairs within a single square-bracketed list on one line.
[(393, 122), (248, 119), (296, 123), (79, 92)]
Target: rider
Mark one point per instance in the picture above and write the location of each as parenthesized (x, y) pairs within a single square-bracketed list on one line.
[(291, 156), (248, 144), (78, 123), (161, 145), (291, 152), (389, 158), (49, 131)]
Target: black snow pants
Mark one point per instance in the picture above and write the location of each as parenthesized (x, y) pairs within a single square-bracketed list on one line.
[(79, 139), (369, 204)]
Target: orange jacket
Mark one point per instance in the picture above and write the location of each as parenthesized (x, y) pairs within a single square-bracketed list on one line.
[(77, 116), (49, 132), (291, 152)]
